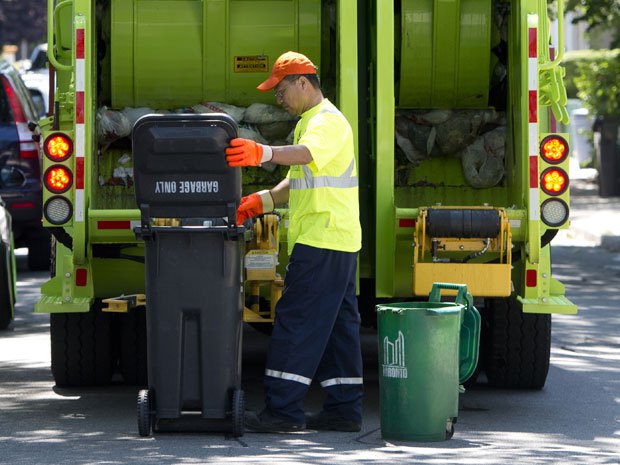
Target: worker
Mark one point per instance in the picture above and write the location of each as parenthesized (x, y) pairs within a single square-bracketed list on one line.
[(317, 322)]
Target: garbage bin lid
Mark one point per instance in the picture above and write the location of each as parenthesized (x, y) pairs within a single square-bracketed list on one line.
[(180, 167), (431, 308)]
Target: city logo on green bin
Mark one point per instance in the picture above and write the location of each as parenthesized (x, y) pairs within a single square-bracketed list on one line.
[(394, 357)]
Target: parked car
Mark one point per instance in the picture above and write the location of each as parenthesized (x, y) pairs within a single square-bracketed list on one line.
[(37, 77), (20, 167), (7, 268)]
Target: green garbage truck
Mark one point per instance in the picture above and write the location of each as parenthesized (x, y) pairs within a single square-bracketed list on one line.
[(115, 60), (462, 176), (468, 179)]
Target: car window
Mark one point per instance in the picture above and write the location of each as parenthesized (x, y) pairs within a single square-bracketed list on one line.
[(39, 60), (24, 96)]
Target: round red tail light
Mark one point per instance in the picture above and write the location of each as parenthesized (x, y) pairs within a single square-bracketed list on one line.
[(554, 181), (58, 179), (58, 147), (554, 149)]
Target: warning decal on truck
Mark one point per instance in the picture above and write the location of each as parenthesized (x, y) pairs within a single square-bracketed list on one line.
[(251, 64)]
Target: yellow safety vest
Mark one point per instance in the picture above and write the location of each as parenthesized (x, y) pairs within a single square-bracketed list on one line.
[(324, 199)]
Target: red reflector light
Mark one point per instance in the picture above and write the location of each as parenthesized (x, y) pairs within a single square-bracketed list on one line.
[(113, 224), (25, 153), (19, 205), (58, 179), (81, 277), (530, 278), (554, 181), (406, 223), (554, 149), (58, 147)]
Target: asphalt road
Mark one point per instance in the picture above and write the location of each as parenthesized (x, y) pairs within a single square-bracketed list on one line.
[(575, 419)]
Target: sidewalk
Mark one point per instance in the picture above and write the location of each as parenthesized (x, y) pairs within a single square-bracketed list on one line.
[(595, 221)]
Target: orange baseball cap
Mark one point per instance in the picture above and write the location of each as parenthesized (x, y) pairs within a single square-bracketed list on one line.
[(288, 63)]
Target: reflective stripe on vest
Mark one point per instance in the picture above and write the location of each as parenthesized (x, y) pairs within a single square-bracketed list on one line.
[(337, 381), (309, 181), (288, 376)]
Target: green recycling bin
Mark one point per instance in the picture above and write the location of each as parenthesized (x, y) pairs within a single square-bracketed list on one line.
[(426, 350)]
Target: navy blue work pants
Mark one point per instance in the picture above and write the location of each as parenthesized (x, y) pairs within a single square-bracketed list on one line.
[(316, 336)]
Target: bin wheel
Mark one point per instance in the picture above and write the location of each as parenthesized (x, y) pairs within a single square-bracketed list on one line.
[(450, 427), (238, 413), (145, 412)]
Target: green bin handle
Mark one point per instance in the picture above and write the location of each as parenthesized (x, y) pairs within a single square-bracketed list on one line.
[(470, 327), (462, 296)]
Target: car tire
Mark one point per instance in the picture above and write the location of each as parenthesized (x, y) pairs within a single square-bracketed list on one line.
[(7, 301)]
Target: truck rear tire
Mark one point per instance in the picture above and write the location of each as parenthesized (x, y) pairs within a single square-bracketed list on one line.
[(82, 352), (39, 253), (132, 361), (517, 345)]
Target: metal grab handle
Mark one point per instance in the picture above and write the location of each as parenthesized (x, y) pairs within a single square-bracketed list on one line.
[(559, 53), (53, 13)]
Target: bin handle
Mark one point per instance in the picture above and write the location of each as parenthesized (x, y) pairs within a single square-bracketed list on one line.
[(468, 359), (462, 296)]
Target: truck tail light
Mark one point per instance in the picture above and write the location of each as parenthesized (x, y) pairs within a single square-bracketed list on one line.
[(554, 181), (554, 149), (58, 179), (57, 210), (58, 147), (554, 212)]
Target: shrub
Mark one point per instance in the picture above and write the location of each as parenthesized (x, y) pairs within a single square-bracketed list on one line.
[(598, 84), (571, 62)]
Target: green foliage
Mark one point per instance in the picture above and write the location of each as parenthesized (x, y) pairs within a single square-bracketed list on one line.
[(598, 13), (598, 84), (571, 62)]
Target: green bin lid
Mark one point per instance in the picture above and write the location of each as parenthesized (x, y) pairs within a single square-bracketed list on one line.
[(438, 308)]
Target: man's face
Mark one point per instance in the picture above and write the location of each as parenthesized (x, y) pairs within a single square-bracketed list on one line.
[(288, 94)]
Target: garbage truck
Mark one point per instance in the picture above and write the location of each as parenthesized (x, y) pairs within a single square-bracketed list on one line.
[(469, 179), (463, 177), (118, 60)]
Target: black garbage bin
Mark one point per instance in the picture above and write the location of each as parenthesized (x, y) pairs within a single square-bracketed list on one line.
[(608, 155), (188, 197)]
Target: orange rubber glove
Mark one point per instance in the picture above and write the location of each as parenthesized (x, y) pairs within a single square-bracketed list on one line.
[(246, 152), (254, 205)]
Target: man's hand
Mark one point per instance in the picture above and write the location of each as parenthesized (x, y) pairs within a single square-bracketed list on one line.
[(254, 205), (246, 152)]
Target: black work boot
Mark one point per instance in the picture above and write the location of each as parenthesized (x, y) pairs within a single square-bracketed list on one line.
[(330, 422), (269, 422)]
